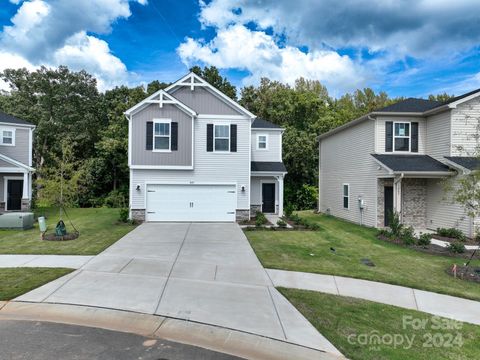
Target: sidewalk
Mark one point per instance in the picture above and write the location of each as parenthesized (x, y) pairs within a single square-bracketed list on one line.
[(54, 261), (436, 304)]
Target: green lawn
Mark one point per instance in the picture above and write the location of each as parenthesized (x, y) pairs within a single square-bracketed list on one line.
[(17, 281), (98, 227), (341, 320), (309, 251)]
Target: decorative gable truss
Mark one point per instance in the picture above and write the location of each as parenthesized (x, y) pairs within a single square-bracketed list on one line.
[(161, 97)]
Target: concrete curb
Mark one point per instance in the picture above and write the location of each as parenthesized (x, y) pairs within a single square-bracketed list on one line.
[(210, 337)]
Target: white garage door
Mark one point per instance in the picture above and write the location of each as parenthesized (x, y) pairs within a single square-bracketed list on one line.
[(191, 202)]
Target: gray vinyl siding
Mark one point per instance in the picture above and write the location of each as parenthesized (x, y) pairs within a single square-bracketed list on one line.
[(202, 101), (438, 135), (209, 167), (181, 157), (20, 151), (380, 137), (441, 212), (345, 158), (274, 151), (465, 120)]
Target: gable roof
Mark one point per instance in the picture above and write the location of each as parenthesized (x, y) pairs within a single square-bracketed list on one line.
[(15, 162), (9, 119), (411, 105), (164, 98), (193, 80), (466, 162), (264, 124), (411, 163)]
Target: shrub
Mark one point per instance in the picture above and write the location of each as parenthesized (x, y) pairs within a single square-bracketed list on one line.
[(407, 235), (260, 219), (386, 233), (424, 239), (289, 210), (123, 215), (281, 223), (295, 218), (395, 224), (456, 247), (115, 199), (451, 233)]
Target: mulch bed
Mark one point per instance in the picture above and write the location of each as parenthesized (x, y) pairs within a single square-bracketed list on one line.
[(469, 273), (429, 249), (468, 241)]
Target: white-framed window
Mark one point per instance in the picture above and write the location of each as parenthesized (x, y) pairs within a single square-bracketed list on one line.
[(262, 142), (401, 136), (161, 135), (7, 136), (221, 137), (346, 196)]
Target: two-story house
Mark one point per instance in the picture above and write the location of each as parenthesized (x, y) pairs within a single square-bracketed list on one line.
[(16, 139), (196, 155), (398, 159)]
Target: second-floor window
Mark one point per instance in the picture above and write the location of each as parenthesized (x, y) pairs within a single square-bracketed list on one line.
[(222, 137), (401, 136), (161, 136), (262, 142), (7, 137)]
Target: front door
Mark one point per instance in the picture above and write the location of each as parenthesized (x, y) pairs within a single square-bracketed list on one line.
[(268, 198), (14, 194), (388, 201)]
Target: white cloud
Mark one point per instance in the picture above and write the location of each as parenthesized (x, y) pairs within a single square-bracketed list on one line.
[(238, 47), (54, 32)]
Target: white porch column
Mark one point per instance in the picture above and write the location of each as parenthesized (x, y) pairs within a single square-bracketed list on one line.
[(25, 193), (280, 196), (397, 196)]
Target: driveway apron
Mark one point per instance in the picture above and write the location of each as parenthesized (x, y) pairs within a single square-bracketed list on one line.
[(201, 272)]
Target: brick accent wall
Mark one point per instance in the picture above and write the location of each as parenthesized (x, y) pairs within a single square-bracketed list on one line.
[(414, 202)]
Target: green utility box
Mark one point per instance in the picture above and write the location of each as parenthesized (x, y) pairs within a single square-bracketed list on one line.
[(16, 220)]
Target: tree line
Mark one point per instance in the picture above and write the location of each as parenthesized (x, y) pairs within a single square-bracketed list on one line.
[(82, 134)]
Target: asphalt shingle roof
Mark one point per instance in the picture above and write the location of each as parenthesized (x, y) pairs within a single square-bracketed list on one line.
[(5, 118), (411, 105), (268, 166), (412, 163), (264, 124), (468, 162)]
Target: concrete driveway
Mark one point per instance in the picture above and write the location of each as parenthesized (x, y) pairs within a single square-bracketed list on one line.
[(202, 272)]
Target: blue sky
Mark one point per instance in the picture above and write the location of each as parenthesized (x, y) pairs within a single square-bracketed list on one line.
[(433, 47)]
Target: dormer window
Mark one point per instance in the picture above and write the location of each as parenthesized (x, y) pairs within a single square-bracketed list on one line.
[(401, 136), (7, 137)]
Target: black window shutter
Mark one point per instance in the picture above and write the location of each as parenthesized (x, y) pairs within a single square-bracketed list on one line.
[(233, 138), (209, 137), (414, 137), (388, 136), (149, 136), (174, 135)]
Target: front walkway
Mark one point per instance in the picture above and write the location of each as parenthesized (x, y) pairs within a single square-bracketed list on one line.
[(442, 305), (205, 273)]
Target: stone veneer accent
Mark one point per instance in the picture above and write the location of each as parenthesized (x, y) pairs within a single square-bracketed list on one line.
[(138, 214), (25, 206), (242, 215), (414, 202), (255, 208), (380, 200)]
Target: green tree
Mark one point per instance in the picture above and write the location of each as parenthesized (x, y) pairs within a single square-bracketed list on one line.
[(213, 77)]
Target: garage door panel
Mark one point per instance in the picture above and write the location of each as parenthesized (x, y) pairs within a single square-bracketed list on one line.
[(191, 202)]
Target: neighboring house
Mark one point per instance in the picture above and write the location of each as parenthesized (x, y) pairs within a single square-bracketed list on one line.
[(396, 159), (16, 139), (196, 155)]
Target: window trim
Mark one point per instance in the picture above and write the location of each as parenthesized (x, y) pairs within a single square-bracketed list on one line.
[(258, 142), (402, 137), (162, 121), (6, 128), (220, 137), (346, 196)]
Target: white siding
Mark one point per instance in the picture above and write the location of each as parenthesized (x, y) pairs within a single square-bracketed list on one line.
[(443, 213), (256, 189), (346, 158), (438, 135), (465, 120), (274, 151), (380, 137), (209, 167)]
